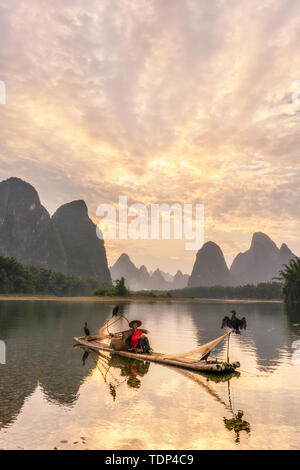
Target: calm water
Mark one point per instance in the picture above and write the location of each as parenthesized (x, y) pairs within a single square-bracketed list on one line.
[(54, 395)]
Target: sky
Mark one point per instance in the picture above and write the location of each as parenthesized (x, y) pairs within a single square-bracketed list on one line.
[(175, 101)]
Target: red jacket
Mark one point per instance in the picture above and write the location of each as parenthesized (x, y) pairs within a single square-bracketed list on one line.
[(135, 338)]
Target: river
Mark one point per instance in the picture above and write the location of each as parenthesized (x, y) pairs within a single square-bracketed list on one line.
[(53, 395)]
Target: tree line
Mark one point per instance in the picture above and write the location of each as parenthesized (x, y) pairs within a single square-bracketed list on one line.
[(263, 291), (290, 278), (286, 286), (17, 278)]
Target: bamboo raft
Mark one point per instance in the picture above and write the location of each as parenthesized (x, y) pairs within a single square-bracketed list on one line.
[(213, 367)]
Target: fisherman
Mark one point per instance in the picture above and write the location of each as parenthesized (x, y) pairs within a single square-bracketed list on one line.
[(138, 338), (131, 339)]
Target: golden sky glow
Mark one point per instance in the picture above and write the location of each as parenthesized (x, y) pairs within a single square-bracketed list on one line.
[(162, 101)]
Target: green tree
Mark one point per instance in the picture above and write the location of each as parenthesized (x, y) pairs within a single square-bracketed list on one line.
[(16, 278), (120, 288), (4, 282), (290, 277), (101, 290)]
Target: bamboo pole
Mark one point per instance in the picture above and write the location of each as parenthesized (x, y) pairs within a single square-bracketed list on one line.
[(160, 359), (228, 347)]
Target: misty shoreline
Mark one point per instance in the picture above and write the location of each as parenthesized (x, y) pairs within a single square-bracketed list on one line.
[(133, 298)]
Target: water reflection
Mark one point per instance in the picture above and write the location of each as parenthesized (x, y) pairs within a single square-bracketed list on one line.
[(116, 370), (38, 336), (271, 329), (44, 374), (237, 424), (131, 369), (293, 318)]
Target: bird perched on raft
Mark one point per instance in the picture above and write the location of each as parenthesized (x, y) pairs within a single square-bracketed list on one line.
[(115, 311), (86, 330), (234, 322)]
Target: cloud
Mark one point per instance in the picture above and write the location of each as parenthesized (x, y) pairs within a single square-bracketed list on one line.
[(177, 100)]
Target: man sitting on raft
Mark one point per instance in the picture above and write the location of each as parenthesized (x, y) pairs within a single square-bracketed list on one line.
[(138, 338), (131, 339)]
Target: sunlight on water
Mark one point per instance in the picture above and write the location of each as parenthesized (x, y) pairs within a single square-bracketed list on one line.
[(54, 395)]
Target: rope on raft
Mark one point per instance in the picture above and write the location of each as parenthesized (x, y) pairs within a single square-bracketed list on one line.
[(193, 356), (202, 350)]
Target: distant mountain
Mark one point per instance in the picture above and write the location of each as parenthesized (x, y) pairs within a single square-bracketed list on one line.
[(261, 262), (158, 282), (167, 276), (124, 267), (67, 242), (143, 276), (135, 278), (85, 252), (180, 280), (285, 255), (26, 230), (142, 279), (210, 268)]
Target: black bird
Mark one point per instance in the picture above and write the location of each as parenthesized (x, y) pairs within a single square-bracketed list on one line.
[(86, 330), (235, 323), (115, 311)]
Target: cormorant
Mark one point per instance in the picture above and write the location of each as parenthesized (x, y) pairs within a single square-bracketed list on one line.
[(235, 323), (86, 330), (115, 311)]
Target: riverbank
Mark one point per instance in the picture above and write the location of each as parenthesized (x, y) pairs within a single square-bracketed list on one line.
[(132, 298)]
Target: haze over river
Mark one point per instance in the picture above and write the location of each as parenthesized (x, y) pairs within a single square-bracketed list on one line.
[(54, 395)]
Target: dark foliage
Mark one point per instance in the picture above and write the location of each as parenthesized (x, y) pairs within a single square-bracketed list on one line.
[(119, 289), (262, 291), (290, 276), (17, 278)]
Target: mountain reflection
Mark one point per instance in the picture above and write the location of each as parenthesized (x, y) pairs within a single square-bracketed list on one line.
[(271, 328), (130, 371), (39, 339), (293, 318)]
